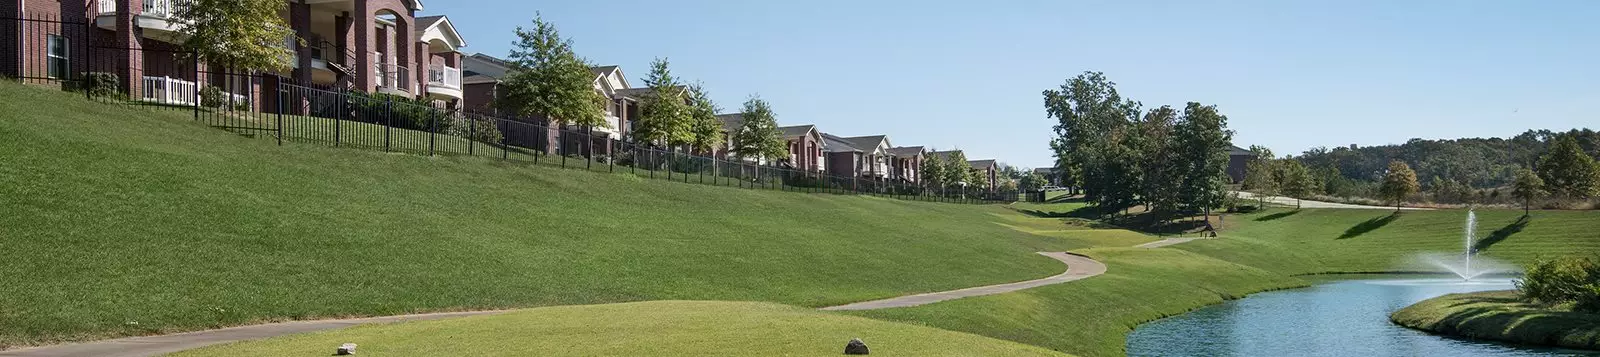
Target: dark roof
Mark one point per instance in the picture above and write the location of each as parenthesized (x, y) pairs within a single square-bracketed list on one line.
[(731, 122), (425, 22), (832, 143), (639, 93), (603, 70), (478, 78), (906, 151), (795, 131), (1238, 151), (981, 164), (1045, 170), (866, 142), (492, 60)]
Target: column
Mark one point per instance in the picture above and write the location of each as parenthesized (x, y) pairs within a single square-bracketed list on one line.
[(363, 41), (300, 22), (130, 59)]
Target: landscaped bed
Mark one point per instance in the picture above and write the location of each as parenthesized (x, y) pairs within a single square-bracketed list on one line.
[(1502, 316)]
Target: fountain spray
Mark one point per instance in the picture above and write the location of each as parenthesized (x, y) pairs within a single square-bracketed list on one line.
[(1472, 229)]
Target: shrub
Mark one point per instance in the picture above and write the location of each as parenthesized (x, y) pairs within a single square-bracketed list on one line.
[(1560, 281), (100, 83), (475, 128), (392, 110), (213, 97)]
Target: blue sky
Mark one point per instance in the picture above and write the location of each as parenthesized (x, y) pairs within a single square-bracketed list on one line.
[(1290, 75)]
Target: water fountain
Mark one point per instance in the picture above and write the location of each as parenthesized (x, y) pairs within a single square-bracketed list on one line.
[(1462, 264)]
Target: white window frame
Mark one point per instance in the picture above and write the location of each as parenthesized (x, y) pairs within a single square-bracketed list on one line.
[(65, 57)]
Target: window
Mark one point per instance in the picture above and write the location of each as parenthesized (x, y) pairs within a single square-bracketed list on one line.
[(56, 57)]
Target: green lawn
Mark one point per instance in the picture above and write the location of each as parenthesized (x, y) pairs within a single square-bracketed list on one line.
[(1502, 316), (654, 328), (125, 221)]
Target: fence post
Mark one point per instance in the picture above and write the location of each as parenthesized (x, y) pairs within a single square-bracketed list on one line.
[(561, 144), (472, 132), (338, 117), (196, 97), (388, 121), (280, 114), (505, 146), (433, 132), (588, 148)]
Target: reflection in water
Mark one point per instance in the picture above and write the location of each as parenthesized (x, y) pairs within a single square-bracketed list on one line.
[(1343, 318)]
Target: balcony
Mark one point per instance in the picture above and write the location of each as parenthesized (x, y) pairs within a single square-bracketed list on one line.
[(392, 79), (168, 90), (153, 15), (446, 82)]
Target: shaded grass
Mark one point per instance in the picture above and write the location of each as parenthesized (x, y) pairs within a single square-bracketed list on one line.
[(657, 328), (1502, 316), (1369, 225), (127, 221)]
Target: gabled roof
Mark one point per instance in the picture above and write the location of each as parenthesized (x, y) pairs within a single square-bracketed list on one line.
[(601, 71), (831, 143), (795, 131), (1238, 151), (872, 142), (474, 78), (981, 164), (492, 60), (907, 151), (446, 29)]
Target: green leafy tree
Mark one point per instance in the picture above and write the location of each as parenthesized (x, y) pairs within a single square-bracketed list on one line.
[(1158, 160), (665, 116), (1568, 172), (706, 128), (1093, 139), (758, 136), (1527, 188), (1033, 181), (240, 34), (1297, 180), (933, 171), (1202, 141), (1260, 174), (548, 79), (1399, 183), (956, 170)]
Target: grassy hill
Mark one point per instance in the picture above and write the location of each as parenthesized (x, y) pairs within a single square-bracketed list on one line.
[(123, 221)]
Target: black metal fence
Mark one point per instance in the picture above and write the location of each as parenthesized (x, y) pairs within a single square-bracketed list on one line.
[(76, 55)]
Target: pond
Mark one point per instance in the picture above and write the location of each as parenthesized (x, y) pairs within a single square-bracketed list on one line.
[(1335, 318)]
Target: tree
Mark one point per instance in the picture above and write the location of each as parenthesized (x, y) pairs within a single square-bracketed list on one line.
[(758, 136), (1033, 181), (1260, 175), (1202, 140), (1297, 180), (1568, 172), (548, 79), (241, 34), (1399, 183), (1527, 187), (706, 129), (956, 170), (665, 116), (1160, 172), (1092, 142), (933, 171)]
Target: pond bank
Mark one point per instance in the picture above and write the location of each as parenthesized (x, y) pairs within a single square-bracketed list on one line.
[(1502, 316)]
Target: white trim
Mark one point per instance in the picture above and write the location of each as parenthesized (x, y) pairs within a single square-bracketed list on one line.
[(451, 36)]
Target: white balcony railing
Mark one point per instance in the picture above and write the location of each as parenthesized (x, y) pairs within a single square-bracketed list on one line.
[(168, 90), (444, 76), (152, 8), (392, 76)]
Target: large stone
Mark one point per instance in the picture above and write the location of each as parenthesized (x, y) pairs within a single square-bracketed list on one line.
[(855, 347), (346, 349)]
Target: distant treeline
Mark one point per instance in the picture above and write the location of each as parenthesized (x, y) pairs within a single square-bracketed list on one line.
[(1458, 164)]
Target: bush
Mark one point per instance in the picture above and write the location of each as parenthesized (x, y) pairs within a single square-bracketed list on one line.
[(392, 110), (100, 83), (213, 97), (1561, 281), (475, 128)]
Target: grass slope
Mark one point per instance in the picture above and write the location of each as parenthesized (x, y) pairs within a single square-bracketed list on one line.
[(120, 221), (638, 329), (1502, 316), (1335, 240)]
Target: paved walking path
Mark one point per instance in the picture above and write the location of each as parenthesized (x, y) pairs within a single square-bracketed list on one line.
[(1288, 201), (1078, 267), (159, 345), (1167, 242)]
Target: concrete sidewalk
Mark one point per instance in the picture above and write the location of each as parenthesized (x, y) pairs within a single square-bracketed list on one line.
[(1078, 267)]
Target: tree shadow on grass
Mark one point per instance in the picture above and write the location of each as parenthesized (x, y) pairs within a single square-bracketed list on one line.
[(1277, 216), (1502, 233), (1369, 225), (1511, 320)]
